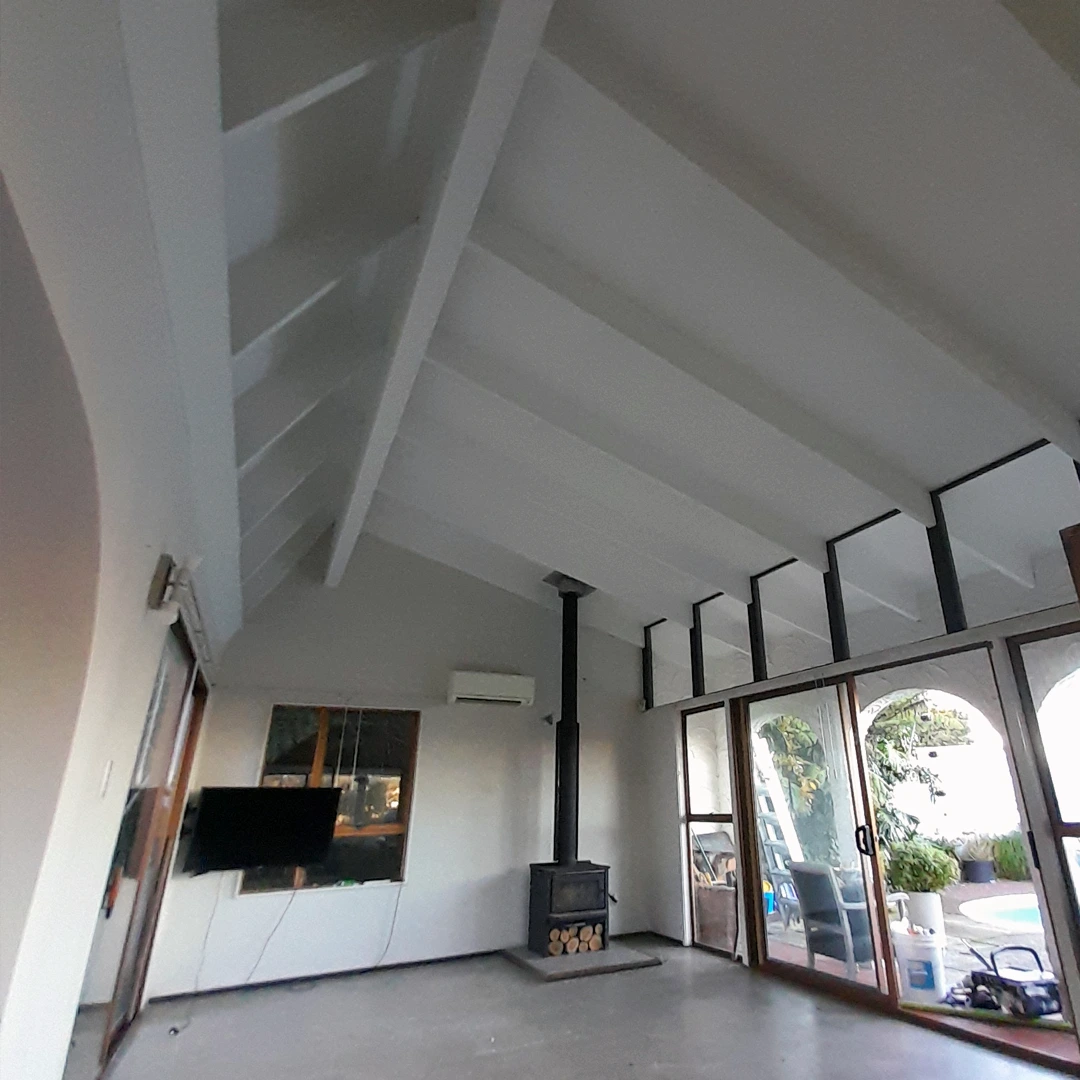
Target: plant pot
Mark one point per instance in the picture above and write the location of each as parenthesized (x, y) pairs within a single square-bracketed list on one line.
[(978, 871), (924, 909)]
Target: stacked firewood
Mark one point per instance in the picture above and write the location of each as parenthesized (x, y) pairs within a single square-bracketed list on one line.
[(579, 937)]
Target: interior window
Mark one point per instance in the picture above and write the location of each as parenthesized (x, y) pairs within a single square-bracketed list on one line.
[(370, 756)]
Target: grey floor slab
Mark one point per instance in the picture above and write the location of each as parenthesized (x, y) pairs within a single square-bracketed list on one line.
[(696, 1016), (616, 957)]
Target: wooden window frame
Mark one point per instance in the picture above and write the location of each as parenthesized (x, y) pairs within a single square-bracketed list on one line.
[(318, 765)]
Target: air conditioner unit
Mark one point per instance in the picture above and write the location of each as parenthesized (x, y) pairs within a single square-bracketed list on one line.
[(487, 686)]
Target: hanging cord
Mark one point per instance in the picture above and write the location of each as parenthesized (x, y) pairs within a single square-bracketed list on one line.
[(270, 936), (393, 923), (177, 1028)]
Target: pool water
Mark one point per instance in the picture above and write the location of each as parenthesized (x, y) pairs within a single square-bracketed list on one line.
[(1018, 911)]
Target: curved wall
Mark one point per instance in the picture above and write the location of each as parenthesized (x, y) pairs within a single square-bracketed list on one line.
[(48, 573)]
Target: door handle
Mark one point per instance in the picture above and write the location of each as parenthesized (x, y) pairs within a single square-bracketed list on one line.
[(864, 840)]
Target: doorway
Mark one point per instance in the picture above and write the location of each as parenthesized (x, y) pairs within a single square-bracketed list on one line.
[(887, 816), (813, 843), (147, 836)]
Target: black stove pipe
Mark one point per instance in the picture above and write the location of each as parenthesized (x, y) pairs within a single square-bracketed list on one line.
[(566, 740)]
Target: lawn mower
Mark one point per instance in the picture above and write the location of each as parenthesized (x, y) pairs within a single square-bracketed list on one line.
[(1025, 992)]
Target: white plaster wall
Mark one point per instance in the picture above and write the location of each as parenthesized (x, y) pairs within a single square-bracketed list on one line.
[(389, 636), (79, 188), (48, 573), (663, 830)]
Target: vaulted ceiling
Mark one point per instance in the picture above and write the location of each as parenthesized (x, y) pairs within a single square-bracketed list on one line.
[(656, 295)]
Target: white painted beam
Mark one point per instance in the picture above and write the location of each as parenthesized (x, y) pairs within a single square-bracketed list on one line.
[(171, 65), (569, 416), (271, 287), (670, 117), (725, 375), (312, 497), (511, 35), (278, 58), (416, 531), (501, 383), (275, 405), (539, 533), (282, 469), (557, 495), (284, 560)]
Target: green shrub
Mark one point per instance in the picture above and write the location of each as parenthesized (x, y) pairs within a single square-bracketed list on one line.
[(978, 847), (1010, 858), (920, 866)]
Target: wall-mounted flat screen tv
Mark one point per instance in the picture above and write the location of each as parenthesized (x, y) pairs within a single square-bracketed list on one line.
[(239, 828)]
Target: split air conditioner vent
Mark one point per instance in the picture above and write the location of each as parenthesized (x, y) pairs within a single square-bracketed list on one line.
[(485, 686)]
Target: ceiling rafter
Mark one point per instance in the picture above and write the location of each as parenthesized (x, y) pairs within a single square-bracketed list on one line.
[(467, 452), (511, 33), (727, 376), (276, 284), (277, 60), (536, 531), (419, 532), (670, 117), (564, 413)]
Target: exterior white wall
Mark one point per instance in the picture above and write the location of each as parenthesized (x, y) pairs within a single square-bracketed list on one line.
[(389, 636)]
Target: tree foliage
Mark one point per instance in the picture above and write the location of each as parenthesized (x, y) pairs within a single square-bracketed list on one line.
[(898, 728), (800, 764), (913, 721), (902, 725)]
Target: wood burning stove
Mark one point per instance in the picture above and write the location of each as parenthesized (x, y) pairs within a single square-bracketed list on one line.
[(568, 907), (568, 898)]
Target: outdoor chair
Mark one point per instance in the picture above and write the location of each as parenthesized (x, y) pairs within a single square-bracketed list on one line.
[(835, 921)]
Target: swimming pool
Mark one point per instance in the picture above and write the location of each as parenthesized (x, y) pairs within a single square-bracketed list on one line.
[(1017, 911)]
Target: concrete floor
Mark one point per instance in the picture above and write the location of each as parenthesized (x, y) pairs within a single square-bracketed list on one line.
[(695, 1017)]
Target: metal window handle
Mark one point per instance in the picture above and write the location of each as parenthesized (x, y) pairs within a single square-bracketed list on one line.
[(864, 840)]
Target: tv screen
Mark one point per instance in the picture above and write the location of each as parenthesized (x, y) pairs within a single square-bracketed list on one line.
[(241, 828)]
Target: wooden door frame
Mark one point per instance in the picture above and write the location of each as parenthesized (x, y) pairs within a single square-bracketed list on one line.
[(196, 692)]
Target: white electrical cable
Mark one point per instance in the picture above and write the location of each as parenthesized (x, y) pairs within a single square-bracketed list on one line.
[(270, 936)]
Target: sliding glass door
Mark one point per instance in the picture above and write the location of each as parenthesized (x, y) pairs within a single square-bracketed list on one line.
[(821, 898)]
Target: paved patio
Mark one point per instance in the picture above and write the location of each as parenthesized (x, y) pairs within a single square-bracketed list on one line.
[(790, 945), (960, 929)]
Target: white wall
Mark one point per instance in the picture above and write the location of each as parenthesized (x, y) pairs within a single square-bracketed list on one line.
[(48, 573), (664, 832), (389, 636), (79, 189)]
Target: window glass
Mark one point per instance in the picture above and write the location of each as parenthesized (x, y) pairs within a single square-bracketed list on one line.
[(368, 755), (725, 644), (814, 890), (1052, 667), (715, 875), (708, 780), (795, 619), (1005, 528), (890, 592), (671, 663)]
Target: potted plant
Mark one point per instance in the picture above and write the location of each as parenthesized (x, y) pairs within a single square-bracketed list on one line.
[(976, 855), (921, 869)]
